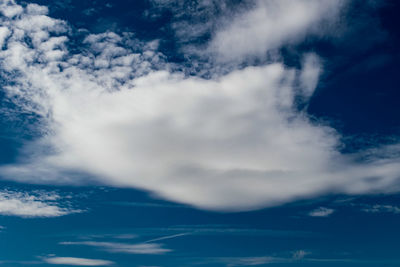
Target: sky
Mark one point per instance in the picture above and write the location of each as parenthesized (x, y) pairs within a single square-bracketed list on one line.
[(199, 133)]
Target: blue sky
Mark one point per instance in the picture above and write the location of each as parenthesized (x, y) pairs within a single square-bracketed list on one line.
[(199, 133)]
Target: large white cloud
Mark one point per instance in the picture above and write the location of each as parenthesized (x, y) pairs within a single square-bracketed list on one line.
[(235, 142)]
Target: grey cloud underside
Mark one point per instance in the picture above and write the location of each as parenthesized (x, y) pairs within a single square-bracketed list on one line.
[(235, 142)]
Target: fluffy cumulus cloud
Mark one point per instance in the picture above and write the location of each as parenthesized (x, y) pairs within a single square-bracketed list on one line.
[(115, 110), (34, 204)]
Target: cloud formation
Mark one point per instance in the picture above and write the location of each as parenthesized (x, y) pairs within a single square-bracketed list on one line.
[(113, 247), (271, 24), (117, 111), (77, 261), (34, 204), (321, 212), (382, 209), (255, 261)]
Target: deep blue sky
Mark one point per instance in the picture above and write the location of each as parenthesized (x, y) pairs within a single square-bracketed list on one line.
[(52, 214)]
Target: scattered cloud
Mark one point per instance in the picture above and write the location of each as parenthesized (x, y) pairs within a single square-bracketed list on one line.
[(251, 261), (113, 236), (382, 209), (33, 204), (118, 112), (143, 248), (321, 212), (262, 260), (77, 261), (163, 233), (240, 261), (300, 254)]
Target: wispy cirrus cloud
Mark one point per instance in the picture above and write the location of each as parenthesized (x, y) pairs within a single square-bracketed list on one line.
[(215, 230), (145, 247), (166, 237), (77, 261), (261, 260), (114, 247), (377, 208), (117, 111), (151, 235)]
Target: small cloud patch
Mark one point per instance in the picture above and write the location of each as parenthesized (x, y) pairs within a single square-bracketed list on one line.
[(77, 261), (321, 212), (382, 209), (33, 204)]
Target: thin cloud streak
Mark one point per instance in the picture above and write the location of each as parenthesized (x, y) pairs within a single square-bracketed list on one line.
[(77, 261), (166, 237), (112, 247)]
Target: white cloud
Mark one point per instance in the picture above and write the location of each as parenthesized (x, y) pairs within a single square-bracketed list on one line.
[(34, 204), (255, 261), (300, 254), (117, 112), (321, 212), (310, 74), (4, 33), (77, 261), (249, 29), (382, 209), (264, 260), (271, 24), (142, 248), (212, 230), (116, 236), (251, 261), (9, 9)]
